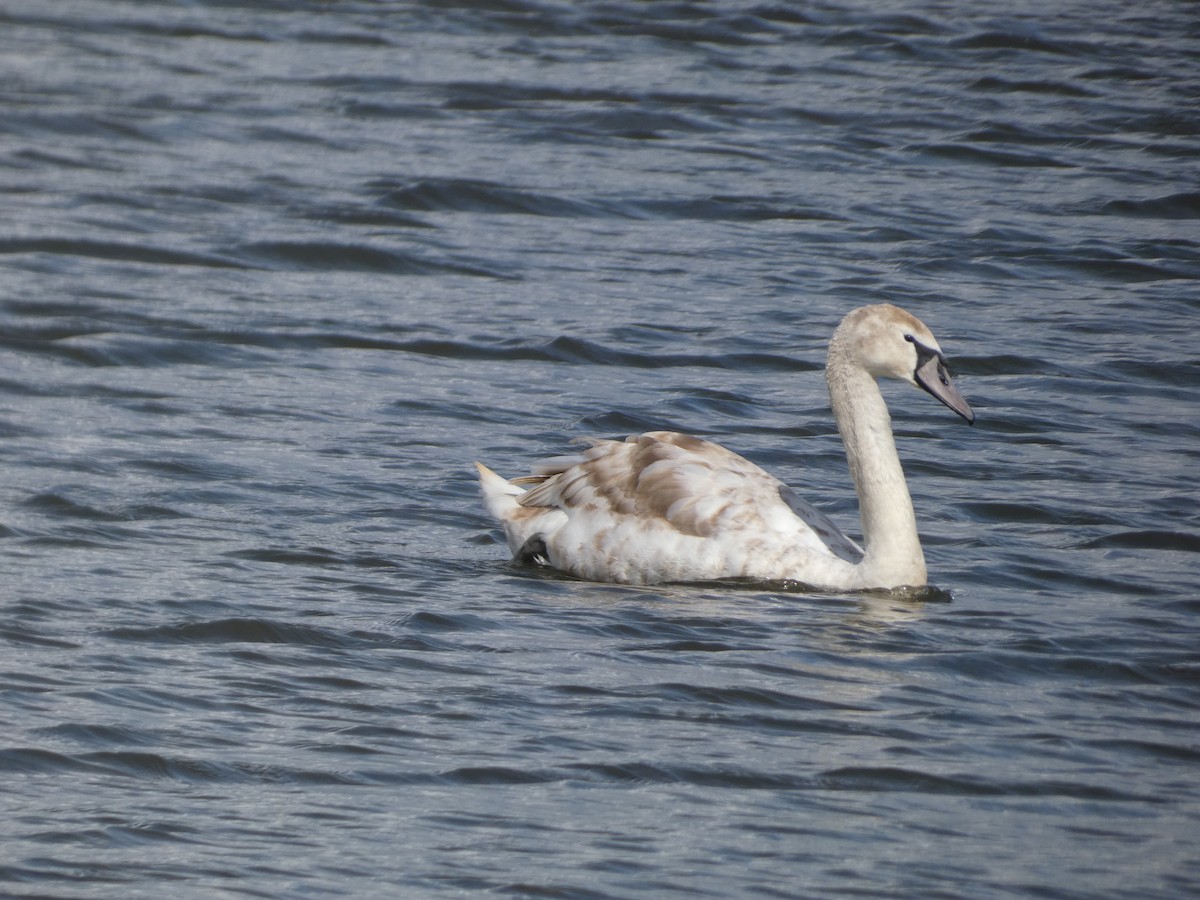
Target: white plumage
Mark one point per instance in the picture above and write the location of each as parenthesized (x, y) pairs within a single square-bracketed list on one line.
[(663, 506)]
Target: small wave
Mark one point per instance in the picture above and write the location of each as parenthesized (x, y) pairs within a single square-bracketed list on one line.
[(473, 195), (1124, 269), (726, 208), (1023, 41), (691, 647), (370, 216), (989, 156), (250, 630), (730, 776), (1007, 364), (328, 256), (93, 733), (111, 250), (992, 83), (561, 349), (712, 28), (31, 760), (312, 556), (882, 779), (60, 506), (21, 636), (1146, 540), (237, 631), (1016, 134), (439, 623), (705, 403), (733, 777), (1107, 263), (999, 511), (628, 124), (746, 698), (191, 467), (481, 775), (1183, 205), (146, 765)]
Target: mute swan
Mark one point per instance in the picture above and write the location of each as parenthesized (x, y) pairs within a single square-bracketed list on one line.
[(662, 506)]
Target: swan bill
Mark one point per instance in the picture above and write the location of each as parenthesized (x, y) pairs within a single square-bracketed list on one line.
[(934, 377)]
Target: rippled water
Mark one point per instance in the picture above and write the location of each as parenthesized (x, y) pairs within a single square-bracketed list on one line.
[(273, 276)]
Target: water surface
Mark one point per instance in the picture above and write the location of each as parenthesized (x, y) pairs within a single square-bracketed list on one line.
[(273, 276)]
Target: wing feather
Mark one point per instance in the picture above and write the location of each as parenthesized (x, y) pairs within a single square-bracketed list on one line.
[(695, 487)]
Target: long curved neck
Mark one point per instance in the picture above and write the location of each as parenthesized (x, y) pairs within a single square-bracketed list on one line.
[(893, 547)]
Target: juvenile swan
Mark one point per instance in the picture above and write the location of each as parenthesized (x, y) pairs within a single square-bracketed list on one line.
[(664, 506)]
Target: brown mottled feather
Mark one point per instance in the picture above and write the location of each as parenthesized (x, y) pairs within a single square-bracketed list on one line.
[(650, 476)]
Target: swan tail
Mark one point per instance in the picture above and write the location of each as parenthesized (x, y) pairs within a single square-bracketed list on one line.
[(499, 496), (526, 530)]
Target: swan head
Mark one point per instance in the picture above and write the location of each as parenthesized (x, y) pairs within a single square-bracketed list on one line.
[(889, 342)]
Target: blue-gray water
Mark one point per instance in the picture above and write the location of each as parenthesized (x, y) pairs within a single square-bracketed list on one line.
[(273, 275)]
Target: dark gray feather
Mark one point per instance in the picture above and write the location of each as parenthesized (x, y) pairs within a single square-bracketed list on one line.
[(830, 534)]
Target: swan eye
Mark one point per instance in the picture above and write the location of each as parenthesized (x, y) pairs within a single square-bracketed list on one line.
[(927, 354)]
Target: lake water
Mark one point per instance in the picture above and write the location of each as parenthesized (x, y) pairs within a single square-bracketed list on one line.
[(272, 277)]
